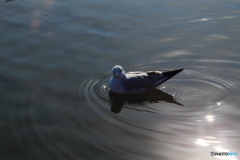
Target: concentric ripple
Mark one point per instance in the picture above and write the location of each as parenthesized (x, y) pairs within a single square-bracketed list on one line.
[(202, 86), (95, 88), (204, 92)]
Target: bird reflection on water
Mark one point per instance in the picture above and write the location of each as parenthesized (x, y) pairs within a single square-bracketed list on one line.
[(154, 95)]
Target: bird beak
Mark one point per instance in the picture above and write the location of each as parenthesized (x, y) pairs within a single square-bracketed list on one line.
[(169, 74), (116, 75)]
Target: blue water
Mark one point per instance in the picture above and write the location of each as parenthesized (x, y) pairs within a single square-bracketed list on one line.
[(55, 64)]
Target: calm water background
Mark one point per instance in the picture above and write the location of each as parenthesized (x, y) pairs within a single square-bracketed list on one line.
[(55, 64)]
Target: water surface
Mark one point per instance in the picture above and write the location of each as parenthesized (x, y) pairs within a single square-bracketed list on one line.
[(56, 59)]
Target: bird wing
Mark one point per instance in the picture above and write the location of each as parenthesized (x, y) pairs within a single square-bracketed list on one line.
[(138, 80)]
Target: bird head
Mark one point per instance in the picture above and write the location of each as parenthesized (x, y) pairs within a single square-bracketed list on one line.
[(118, 72)]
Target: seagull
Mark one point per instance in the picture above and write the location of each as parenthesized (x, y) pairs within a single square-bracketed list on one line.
[(138, 82)]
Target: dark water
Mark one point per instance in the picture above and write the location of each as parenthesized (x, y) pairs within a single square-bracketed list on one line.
[(56, 59)]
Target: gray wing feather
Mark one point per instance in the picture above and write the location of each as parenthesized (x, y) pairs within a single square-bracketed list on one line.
[(138, 80)]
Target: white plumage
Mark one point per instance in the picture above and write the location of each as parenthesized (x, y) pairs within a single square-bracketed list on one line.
[(138, 82)]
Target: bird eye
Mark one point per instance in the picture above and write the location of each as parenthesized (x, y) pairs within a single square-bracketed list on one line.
[(120, 71)]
